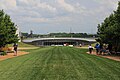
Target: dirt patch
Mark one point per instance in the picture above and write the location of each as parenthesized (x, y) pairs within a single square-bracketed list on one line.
[(113, 57), (11, 55)]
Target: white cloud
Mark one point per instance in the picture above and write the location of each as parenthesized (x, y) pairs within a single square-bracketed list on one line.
[(78, 14), (60, 19), (80, 9), (36, 20), (46, 6), (66, 6), (24, 1), (8, 4), (107, 3), (37, 5)]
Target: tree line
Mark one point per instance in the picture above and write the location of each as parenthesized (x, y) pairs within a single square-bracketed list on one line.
[(77, 35)]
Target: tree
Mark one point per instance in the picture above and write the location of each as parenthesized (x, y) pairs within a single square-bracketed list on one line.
[(7, 30), (109, 30)]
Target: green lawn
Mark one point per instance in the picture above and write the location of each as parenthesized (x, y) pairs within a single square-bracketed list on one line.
[(59, 63)]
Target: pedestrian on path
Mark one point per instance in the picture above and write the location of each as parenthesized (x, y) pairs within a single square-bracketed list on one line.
[(90, 49), (97, 46), (15, 49)]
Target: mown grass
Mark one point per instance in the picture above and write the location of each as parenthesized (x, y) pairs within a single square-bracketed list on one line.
[(59, 63), (93, 45)]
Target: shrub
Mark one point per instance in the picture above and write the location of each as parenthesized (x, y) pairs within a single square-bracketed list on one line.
[(3, 53)]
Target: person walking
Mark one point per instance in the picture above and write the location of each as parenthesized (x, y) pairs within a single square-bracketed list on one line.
[(15, 49), (90, 49), (97, 46)]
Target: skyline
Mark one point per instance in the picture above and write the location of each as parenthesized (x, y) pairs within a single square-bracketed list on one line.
[(49, 16)]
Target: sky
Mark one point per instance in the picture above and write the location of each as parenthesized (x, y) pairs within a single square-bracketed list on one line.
[(51, 16)]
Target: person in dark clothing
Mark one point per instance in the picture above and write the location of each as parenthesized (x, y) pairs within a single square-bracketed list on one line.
[(15, 49)]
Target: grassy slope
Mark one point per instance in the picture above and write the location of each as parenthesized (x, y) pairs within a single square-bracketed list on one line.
[(21, 44), (93, 45), (59, 63)]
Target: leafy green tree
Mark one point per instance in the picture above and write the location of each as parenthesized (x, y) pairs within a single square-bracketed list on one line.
[(109, 30), (7, 30)]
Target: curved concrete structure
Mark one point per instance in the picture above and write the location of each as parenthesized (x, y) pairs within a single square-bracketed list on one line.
[(59, 41)]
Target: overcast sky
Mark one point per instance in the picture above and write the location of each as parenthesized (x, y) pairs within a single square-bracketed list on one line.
[(46, 16)]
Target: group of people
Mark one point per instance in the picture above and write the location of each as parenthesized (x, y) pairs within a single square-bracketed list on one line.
[(101, 49)]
